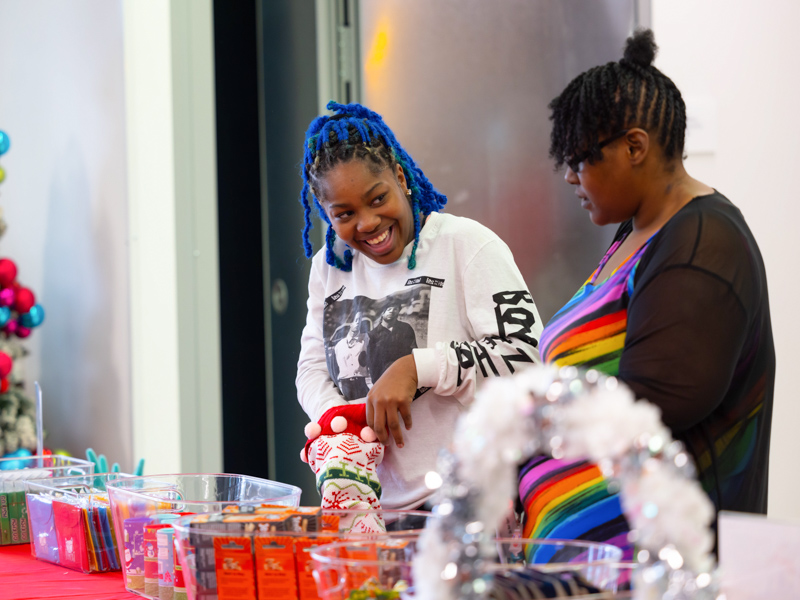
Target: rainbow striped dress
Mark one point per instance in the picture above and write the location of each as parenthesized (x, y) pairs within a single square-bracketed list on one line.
[(570, 500), (589, 331)]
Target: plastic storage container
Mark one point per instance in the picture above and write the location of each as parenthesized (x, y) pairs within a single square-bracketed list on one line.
[(383, 568), (70, 522), (13, 474), (242, 557), (143, 508)]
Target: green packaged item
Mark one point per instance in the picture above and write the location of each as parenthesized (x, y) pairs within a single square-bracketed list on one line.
[(18, 518), (5, 525), (15, 474)]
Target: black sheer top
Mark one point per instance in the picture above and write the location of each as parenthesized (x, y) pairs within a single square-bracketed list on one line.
[(699, 345)]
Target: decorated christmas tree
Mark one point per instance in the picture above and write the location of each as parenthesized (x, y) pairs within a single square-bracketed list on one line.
[(19, 314)]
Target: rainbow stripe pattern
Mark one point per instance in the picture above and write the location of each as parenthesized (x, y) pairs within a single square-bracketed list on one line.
[(589, 331), (567, 499)]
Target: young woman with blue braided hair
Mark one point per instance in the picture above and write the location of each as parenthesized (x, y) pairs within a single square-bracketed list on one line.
[(438, 297)]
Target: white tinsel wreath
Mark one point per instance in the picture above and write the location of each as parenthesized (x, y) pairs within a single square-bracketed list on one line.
[(570, 415)]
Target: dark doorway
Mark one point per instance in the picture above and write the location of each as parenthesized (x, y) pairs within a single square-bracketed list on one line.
[(241, 284), (266, 92)]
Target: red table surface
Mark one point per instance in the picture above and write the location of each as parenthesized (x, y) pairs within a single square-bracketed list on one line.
[(22, 577)]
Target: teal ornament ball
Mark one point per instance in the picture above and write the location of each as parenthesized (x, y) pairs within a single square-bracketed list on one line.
[(5, 315), (13, 465), (32, 318), (5, 142)]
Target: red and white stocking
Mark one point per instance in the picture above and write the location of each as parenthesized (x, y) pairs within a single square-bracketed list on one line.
[(344, 453)]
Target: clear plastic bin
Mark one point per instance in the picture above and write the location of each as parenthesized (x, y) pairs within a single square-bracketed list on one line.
[(13, 510), (250, 559), (144, 507), (71, 524), (385, 566)]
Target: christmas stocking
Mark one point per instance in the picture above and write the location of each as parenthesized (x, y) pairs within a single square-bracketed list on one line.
[(344, 454)]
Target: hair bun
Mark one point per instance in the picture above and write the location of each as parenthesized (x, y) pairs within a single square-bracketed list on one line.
[(641, 48)]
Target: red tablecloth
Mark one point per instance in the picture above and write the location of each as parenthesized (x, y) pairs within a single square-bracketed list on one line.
[(22, 577)]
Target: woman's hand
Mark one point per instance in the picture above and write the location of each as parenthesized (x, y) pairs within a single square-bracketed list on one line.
[(391, 396)]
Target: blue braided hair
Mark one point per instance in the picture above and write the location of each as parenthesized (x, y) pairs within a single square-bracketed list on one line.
[(355, 132)]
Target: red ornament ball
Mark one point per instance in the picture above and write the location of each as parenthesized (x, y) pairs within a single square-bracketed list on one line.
[(8, 272), (23, 332), (5, 365), (3, 385), (24, 300)]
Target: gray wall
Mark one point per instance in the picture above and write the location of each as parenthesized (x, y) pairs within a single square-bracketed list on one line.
[(62, 104), (465, 85)]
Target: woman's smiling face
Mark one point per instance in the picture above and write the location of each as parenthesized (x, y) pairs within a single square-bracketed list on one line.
[(369, 211)]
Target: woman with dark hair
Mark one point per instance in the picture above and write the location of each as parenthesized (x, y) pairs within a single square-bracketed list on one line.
[(677, 307)]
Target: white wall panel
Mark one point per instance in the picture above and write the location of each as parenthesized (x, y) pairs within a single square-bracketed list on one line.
[(65, 200), (111, 203), (743, 59)]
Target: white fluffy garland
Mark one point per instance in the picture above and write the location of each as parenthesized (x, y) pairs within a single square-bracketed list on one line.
[(571, 416)]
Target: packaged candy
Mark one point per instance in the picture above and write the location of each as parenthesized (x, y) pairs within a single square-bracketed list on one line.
[(69, 522)]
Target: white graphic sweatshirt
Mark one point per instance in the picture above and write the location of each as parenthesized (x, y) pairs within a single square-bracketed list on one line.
[(464, 312)]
